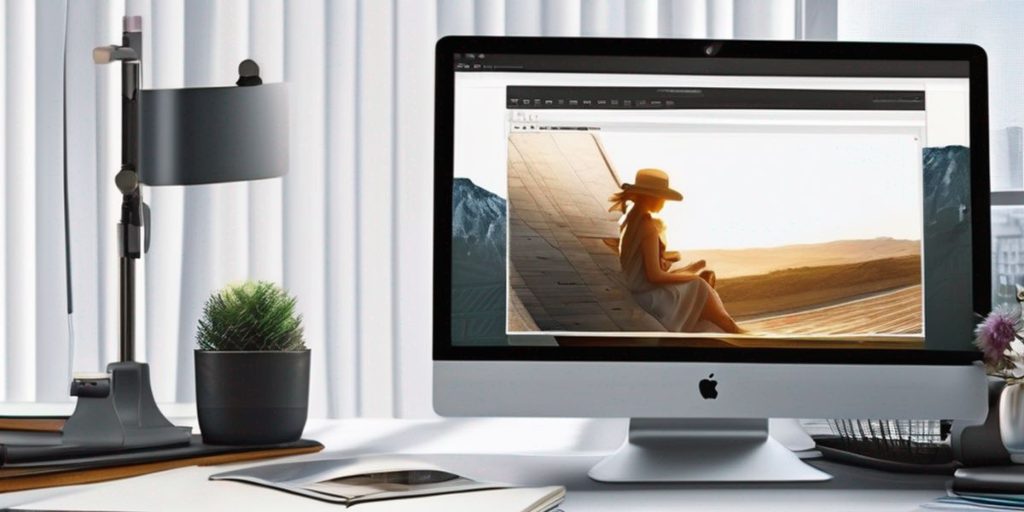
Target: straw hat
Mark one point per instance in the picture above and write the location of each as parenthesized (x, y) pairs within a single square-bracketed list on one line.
[(652, 182)]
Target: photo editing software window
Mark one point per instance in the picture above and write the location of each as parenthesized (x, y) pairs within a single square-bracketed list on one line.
[(794, 204)]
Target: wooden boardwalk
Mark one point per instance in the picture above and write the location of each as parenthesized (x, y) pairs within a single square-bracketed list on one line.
[(562, 275)]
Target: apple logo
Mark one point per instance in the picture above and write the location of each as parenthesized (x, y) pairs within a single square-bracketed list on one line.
[(708, 388)]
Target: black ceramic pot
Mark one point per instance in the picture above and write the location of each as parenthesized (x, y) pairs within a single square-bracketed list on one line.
[(252, 398)]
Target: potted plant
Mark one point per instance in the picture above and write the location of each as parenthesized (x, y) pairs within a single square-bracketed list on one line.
[(252, 367), (998, 337)]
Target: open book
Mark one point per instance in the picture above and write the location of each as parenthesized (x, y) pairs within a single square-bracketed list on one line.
[(402, 481)]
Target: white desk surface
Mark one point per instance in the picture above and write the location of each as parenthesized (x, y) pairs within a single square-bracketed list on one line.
[(517, 451)]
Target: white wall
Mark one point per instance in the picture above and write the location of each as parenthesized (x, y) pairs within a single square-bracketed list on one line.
[(348, 230)]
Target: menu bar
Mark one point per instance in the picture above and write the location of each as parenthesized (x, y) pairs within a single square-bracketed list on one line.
[(710, 66), (707, 98)]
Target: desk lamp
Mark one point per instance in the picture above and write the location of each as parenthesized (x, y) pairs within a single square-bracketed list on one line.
[(185, 136)]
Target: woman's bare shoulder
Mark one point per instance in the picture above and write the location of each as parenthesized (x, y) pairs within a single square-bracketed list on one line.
[(647, 224), (654, 224)]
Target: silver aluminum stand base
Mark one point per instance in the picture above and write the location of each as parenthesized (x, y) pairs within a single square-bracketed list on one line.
[(729, 450)]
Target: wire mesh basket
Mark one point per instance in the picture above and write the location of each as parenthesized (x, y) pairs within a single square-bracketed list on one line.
[(900, 445)]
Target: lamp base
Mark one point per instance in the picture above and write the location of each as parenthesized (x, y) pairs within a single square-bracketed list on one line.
[(117, 410)]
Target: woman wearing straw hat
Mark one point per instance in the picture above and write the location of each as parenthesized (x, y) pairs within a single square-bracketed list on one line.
[(683, 300)]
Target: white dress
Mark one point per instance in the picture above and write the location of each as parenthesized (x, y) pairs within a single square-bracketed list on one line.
[(676, 306)]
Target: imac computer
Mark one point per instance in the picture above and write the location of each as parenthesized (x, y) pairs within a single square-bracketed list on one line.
[(701, 235)]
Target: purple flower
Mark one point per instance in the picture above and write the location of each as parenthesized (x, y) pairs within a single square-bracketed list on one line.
[(995, 333)]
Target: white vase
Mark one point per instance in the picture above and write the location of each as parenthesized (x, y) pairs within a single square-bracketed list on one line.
[(1011, 420)]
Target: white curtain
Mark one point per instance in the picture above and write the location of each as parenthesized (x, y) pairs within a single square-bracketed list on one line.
[(348, 230)]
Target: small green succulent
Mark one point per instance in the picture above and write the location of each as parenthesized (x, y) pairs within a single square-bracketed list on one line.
[(255, 315)]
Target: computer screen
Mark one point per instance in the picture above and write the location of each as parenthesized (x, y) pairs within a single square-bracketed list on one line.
[(701, 202)]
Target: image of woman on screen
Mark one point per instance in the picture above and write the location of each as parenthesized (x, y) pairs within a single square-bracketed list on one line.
[(682, 300)]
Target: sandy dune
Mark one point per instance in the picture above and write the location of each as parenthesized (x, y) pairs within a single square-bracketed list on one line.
[(729, 263), (798, 289), (893, 312)]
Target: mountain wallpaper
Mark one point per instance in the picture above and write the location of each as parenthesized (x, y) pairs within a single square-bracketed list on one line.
[(479, 220), (947, 244)]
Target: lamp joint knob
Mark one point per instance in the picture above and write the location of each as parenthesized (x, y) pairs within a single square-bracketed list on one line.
[(127, 180)]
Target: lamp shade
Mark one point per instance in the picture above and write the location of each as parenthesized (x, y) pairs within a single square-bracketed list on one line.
[(213, 134)]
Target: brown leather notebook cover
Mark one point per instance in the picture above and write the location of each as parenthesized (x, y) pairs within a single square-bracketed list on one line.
[(105, 466), (34, 424)]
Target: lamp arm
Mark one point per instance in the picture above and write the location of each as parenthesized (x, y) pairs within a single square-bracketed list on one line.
[(129, 229)]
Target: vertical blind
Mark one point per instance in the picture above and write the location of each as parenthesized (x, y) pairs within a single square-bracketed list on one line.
[(348, 230)]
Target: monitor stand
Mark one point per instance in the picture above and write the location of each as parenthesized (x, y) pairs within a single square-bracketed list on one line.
[(703, 450)]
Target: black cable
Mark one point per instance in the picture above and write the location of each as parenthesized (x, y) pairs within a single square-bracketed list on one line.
[(67, 220), (64, 141)]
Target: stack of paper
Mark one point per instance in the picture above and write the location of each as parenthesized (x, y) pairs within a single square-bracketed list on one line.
[(984, 488)]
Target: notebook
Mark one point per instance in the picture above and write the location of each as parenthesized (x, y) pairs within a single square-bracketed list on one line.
[(401, 483), (31, 456), (1008, 479)]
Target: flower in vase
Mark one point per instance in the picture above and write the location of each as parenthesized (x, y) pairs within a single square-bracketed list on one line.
[(996, 332)]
